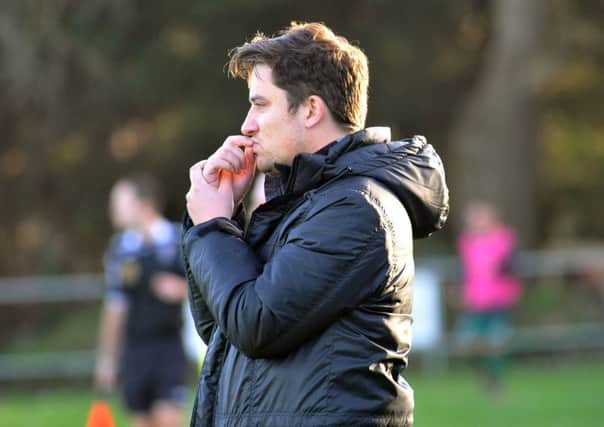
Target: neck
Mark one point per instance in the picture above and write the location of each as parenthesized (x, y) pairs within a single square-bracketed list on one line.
[(319, 138), (146, 223)]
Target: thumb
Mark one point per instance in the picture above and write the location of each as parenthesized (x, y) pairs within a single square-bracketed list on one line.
[(250, 160), (226, 182), (249, 170)]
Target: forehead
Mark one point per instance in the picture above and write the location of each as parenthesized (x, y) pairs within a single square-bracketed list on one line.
[(123, 190), (260, 73), (261, 83)]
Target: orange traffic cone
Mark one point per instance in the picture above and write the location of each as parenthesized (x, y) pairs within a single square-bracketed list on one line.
[(100, 415)]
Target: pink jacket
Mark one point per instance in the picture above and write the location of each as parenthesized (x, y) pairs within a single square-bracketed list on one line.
[(485, 286)]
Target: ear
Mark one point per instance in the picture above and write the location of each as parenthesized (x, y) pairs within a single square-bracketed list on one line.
[(316, 110)]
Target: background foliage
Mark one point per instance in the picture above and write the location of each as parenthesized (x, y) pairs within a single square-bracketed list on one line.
[(93, 90)]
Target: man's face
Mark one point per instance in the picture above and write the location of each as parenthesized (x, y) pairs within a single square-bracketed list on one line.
[(276, 132), (124, 206), (480, 218)]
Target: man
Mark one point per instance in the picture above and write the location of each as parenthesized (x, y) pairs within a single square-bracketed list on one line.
[(307, 311), (143, 306)]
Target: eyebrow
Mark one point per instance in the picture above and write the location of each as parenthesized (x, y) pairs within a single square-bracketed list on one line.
[(256, 98)]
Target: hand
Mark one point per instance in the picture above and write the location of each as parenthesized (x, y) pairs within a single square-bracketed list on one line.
[(169, 287), (105, 374), (206, 201), (241, 164)]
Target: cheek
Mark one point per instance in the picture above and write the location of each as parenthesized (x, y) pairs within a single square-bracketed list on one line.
[(131, 210), (268, 123)]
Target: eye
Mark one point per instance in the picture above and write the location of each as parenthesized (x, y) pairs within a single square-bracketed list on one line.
[(258, 102)]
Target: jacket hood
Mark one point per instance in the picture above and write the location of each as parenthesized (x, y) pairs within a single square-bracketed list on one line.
[(410, 168)]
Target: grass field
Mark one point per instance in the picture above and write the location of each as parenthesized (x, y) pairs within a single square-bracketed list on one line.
[(550, 396), (535, 396)]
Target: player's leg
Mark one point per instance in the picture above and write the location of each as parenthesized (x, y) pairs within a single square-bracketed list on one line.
[(499, 331), (167, 414), (169, 384), (135, 378), (142, 420), (467, 333)]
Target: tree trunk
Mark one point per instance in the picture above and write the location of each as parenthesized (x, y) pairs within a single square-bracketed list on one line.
[(494, 141)]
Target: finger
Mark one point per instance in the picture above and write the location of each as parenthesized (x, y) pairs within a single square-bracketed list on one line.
[(250, 159), (212, 169), (195, 171), (238, 141), (226, 182), (235, 153), (232, 155), (249, 170)]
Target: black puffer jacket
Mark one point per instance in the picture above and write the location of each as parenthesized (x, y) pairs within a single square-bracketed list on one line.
[(308, 314)]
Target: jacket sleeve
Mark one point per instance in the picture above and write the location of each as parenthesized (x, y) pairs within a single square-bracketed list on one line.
[(204, 321), (328, 264)]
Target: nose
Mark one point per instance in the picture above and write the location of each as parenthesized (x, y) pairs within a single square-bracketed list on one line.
[(250, 125)]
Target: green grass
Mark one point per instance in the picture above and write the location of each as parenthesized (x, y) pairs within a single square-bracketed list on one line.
[(60, 408), (548, 396), (535, 396)]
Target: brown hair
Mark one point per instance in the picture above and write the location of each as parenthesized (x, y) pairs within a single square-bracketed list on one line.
[(309, 59), (146, 188)]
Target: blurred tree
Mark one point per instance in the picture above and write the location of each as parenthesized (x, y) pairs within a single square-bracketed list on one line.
[(529, 137), (494, 143), (571, 193), (91, 90)]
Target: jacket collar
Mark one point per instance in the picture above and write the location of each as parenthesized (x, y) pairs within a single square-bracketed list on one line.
[(309, 170)]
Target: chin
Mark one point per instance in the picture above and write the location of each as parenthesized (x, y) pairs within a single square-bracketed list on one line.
[(263, 167)]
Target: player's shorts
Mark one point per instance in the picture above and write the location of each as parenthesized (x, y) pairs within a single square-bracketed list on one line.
[(492, 327), (153, 372)]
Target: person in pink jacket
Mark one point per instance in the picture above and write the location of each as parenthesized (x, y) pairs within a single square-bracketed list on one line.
[(489, 290)]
